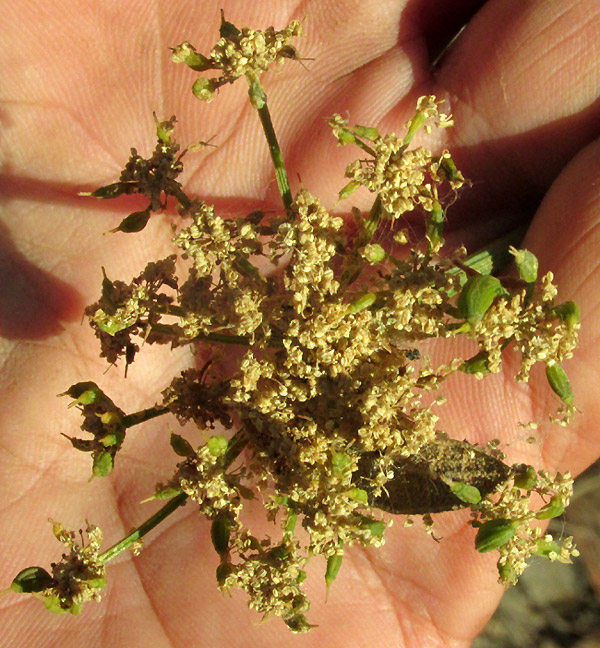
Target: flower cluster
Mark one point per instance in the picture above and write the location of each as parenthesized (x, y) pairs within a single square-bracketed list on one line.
[(239, 52), (326, 392)]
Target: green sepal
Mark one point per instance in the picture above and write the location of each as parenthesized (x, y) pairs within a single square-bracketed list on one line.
[(186, 53), (111, 417), (465, 492), (52, 604), (223, 570), (525, 477), (181, 446), (109, 191), (334, 564), (477, 296), (85, 393), (110, 440), (228, 30), (373, 253), (97, 583), (449, 168), (545, 547), (435, 227), (347, 190), (477, 364), (560, 383), (290, 522), (507, 573), (362, 303), (345, 137), (569, 313), (366, 132), (554, 508), (31, 579), (359, 495), (163, 494), (298, 623), (103, 464), (135, 222), (340, 463), (83, 445), (376, 527), (494, 534)]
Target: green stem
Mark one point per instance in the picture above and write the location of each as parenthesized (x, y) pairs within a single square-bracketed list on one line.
[(225, 338), (367, 232), (490, 258), (144, 528), (235, 446), (144, 415), (495, 255), (258, 98)]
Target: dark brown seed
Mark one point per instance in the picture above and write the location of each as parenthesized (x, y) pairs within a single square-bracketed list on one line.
[(418, 485)]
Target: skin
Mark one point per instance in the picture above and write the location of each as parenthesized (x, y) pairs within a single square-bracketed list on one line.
[(78, 89)]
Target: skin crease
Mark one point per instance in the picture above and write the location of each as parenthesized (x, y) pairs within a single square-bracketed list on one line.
[(78, 90)]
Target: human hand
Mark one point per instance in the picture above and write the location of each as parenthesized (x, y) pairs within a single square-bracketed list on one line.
[(522, 81)]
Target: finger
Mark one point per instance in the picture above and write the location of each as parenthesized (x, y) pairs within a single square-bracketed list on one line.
[(565, 236), (523, 80)]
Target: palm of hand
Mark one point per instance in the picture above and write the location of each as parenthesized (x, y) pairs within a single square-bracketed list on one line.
[(70, 115)]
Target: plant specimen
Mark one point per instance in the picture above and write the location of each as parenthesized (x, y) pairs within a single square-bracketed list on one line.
[(329, 417)]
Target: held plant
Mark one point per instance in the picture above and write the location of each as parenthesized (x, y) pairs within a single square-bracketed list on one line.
[(330, 413)]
